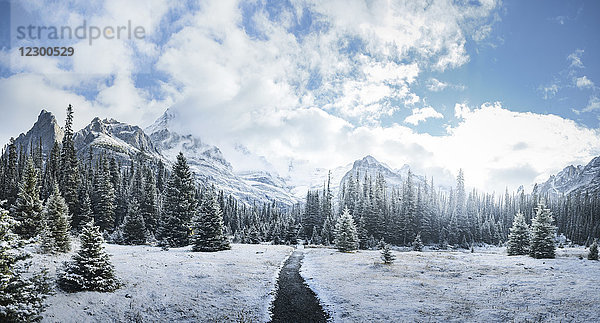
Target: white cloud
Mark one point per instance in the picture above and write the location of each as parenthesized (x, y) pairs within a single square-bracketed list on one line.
[(436, 85), (461, 110), (593, 104), (575, 58), (423, 114), (583, 82), (549, 91)]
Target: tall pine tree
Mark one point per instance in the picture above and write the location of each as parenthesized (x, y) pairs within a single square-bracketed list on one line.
[(56, 218), (542, 234), (346, 238), (69, 178), (179, 205), (27, 210), (208, 226), (518, 239)]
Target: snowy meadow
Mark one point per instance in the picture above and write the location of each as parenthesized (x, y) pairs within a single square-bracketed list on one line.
[(440, 286), (176, 285)]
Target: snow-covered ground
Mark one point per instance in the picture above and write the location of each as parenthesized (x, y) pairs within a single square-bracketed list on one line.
[(485, 286), (176, 285)]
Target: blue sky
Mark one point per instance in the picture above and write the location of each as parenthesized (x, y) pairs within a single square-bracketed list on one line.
[(507, 90)]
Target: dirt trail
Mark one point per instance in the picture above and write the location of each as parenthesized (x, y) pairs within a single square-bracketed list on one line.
[(295, 302)]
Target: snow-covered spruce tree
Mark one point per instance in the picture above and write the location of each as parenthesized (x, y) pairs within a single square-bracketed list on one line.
[(542, 234), (208, 226), (593, 254), (386, 254), (346, 238), (69, 175), (56, 220), (21, 298), (179, 205), (417, 244), (134, 227), (518, 239), (104, 198), (90, 268), (27, 210)]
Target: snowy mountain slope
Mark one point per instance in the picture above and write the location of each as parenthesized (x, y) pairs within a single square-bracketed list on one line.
[(210, 166), (372, 167), (572, 178), (45, 128), (114, 138)]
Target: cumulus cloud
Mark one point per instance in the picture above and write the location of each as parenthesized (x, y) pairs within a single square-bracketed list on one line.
[(584, 82), (419, 115)]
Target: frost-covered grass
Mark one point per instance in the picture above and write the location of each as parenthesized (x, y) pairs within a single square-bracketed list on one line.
[(485, 286), (176, 285)]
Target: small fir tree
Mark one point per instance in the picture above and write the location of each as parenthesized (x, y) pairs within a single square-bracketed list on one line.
[(21, 298), (542, 234), (593, 254), (386, 255), (27, 210), (208, 226), (417, 244), (57, 221), (134, 227), (518, 239), (346, 237), (90, 268)]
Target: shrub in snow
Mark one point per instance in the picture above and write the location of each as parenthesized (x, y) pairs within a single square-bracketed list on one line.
[(346, 238), (386, 255), (90, 268), (518, 238), (207, 229), (593, 254), (417, 244), (21, 298), (542, 234)]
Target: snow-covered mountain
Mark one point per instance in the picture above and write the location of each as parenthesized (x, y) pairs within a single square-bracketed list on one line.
[(116, 139), (210, 166), (572, 178), (46, 129), (371, 167)]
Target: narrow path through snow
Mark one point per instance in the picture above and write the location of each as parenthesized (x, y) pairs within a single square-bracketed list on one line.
[(295, 302)]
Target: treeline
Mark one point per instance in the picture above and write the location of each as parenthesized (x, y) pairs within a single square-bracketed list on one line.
[(398, 214), (146, 202)]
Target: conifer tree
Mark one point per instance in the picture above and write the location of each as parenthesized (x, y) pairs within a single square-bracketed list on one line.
[(179, 205), (542, 234), (69, 179), (148, 203), (90, 268), (21, 298), (104, 198), (208, 226), (386, 254), (134, 227), (346, 238), (593, 253), (56, 219), (28, 206), (518, 239), (417, 244)]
